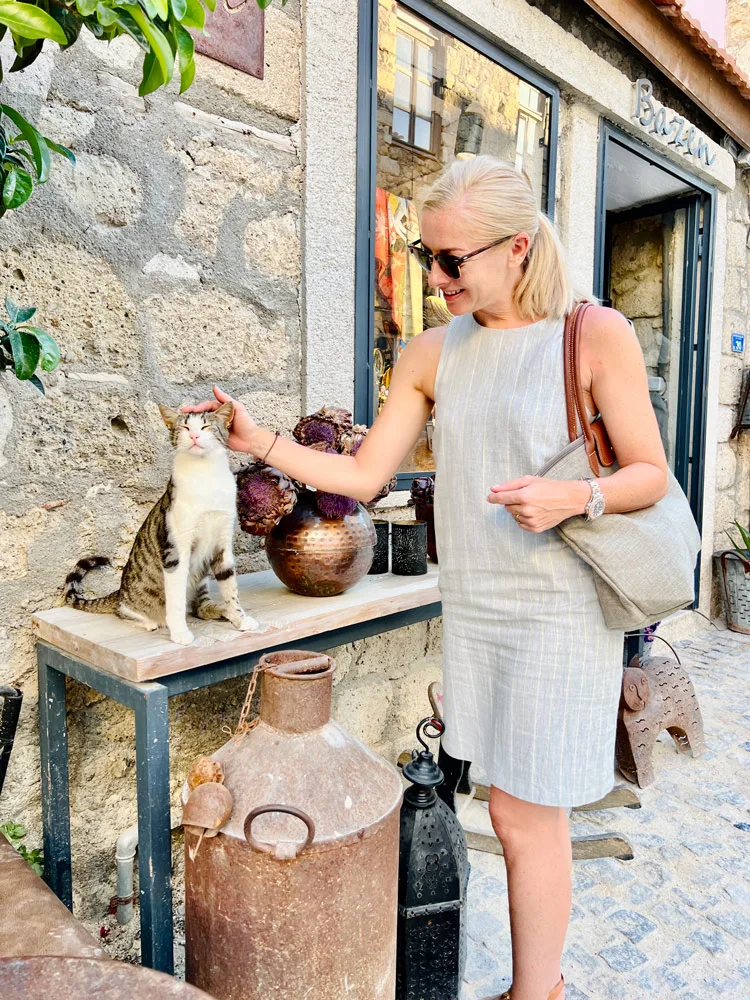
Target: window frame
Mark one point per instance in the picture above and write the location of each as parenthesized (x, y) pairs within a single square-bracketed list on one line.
[(367, 93)]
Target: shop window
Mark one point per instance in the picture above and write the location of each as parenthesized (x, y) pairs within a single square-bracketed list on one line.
[(438, 98)]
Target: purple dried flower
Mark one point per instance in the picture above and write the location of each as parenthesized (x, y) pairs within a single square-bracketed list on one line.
[(264, 496), (334, 505)]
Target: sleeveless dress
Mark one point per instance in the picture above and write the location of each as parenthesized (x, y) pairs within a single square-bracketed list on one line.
[(531, 673)]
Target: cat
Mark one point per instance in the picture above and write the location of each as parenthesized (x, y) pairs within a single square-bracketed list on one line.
[(186, 534)]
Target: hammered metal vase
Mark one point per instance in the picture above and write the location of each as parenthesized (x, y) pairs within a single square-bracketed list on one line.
[(319, 556)]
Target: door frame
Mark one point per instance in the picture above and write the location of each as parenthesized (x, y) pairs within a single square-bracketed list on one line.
[(698, 270)]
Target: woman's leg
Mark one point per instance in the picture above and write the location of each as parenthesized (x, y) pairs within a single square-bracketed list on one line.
[(538, 859)]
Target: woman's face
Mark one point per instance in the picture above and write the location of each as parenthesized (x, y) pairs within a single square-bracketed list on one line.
[(487, 281)]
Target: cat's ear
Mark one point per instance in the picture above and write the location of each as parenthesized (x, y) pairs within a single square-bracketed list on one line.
[(225, 413), (169, 416)]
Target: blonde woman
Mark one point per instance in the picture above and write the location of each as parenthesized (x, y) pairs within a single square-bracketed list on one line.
[(531, 673)]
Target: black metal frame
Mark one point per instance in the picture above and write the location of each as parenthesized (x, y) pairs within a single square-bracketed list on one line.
[(367, 93), (696, 307), (149, 702)]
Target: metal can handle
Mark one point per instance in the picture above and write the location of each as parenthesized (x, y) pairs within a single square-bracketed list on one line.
[(277, 850)]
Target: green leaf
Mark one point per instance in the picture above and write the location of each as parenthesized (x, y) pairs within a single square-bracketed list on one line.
[(264, 3), (38, 384), (114, 16), (179, 8), (26, 353), (25, 313), (86, 7), (151, 7), (61, 150), (26, 54), (159, 46), (211, 4), (69, 21), (11, 308), (50, 352), (29, 21), (185, 52), (152, 75), (17, 188), (13, 831), (33, 138), (195, 16)]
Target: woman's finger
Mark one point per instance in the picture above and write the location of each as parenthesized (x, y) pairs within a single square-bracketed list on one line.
[(222, 396), (201, 407)]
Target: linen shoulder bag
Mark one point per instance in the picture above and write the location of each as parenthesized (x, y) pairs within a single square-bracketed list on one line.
[(644, 560)]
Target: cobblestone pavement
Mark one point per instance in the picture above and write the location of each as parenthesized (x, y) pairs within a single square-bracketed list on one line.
[(674, 922)]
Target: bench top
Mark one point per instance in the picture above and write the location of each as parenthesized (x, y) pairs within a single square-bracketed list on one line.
[(113, 645)]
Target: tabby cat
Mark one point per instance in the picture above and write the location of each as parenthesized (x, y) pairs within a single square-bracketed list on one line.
[(186, 534)]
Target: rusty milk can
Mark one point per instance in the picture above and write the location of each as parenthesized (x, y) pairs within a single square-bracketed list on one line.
[(296, 896)]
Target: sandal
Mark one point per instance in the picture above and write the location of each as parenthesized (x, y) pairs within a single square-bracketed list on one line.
[(554, 995)]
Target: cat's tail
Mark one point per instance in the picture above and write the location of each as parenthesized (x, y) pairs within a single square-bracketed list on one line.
[(74, 593)]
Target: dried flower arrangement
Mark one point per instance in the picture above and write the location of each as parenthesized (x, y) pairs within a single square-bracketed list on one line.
[(265, 495)]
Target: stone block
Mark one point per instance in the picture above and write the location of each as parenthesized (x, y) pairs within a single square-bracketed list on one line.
[(362, 707), (623, 957), (737, 249), (725, 422), (171, 267), (712, 940), (211, 335), (80, 301), (17, 533), (410, 702), (6, 423), (278, 92), (726, 466), (730, 380), (632, 924), (100, 189), (272, 244)]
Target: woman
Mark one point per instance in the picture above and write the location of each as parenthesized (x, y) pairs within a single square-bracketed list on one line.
[(531, 673)]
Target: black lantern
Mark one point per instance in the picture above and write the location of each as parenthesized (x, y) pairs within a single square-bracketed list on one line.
[(432, 878)]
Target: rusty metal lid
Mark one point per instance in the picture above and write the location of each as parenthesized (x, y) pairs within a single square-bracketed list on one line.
[(40, 978)]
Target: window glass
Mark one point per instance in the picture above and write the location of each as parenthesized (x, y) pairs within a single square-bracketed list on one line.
[(438, 99)]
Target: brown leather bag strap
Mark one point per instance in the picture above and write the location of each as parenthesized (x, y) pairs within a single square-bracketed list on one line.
[(598, 446)]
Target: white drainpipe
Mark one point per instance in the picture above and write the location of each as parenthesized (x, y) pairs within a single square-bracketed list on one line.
[(127, 844)]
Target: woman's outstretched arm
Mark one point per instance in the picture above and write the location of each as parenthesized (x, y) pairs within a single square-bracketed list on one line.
[(390, 439)]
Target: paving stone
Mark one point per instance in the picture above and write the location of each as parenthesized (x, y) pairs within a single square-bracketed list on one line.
[(479, 964), (640, 893), (598, 905), (702, 847), (623, 957), (483, 926), (582, 881), (680, 953), (576, 912), (573, 993), (713, 941), (735, 923), (579, 956), (632, 924)]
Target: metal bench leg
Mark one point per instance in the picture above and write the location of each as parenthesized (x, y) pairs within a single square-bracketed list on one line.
[(154, 834), (53, 740)]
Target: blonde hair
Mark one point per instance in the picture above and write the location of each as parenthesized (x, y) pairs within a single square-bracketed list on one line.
[(500, 201)]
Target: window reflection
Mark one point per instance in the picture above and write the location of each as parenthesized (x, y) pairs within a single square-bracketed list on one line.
[(437, 99)]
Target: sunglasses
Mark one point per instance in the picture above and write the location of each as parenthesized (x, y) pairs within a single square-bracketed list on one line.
[(448, 262)]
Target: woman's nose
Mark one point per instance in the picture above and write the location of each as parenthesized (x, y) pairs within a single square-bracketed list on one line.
[(437, 278)]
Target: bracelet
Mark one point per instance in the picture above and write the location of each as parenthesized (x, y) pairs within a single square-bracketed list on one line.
[(275, 439)]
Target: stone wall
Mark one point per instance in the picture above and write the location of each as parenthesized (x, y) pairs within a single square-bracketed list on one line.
[(170, 257)]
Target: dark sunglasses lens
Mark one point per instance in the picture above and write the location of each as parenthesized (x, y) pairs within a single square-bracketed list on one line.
[(424, 258), (449, 264)]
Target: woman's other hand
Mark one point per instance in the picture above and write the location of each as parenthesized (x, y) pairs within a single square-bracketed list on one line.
[(538, 504), (243, 429)]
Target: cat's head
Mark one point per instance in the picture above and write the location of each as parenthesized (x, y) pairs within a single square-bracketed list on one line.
[(198, 433)]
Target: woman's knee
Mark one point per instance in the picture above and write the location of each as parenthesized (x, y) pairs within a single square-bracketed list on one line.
[(519, 824)]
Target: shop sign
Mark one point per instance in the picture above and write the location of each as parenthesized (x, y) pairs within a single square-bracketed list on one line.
[(673, 127)]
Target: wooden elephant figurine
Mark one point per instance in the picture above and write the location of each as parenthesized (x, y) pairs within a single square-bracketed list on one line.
[(657, 694)]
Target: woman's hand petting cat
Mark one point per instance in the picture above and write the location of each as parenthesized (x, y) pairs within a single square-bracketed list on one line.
[(538, 504), (243, 427)]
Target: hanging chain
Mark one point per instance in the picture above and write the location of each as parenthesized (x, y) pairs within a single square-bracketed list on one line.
[(243, 726)]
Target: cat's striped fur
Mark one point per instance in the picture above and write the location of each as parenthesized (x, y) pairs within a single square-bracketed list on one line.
[(186, 535)]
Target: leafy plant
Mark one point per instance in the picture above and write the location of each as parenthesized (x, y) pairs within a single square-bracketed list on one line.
[(23, 347), (160, 27), (24, 157), (15, 833), (742, 550)]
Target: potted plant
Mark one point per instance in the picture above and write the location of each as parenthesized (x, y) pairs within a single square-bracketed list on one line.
[(733, 566), (318, 544)]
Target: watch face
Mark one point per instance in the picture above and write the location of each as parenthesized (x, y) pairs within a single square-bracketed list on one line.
[(596, 508)]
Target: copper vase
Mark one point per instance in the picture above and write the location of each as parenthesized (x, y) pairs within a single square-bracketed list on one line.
[(319, 556)]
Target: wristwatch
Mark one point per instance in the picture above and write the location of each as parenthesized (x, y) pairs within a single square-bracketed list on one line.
[(595, 506)]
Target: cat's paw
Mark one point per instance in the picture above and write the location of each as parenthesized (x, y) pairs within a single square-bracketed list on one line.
[(182, 636), (246, 624)]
